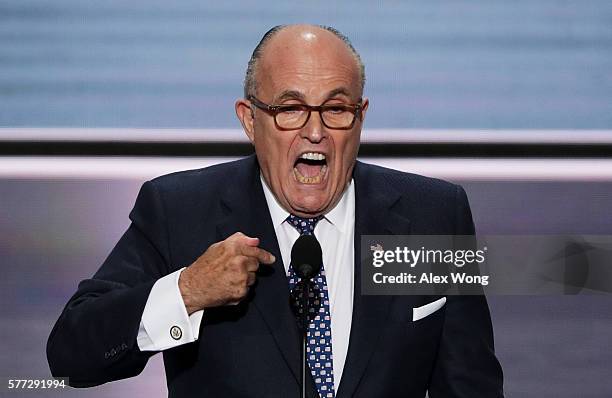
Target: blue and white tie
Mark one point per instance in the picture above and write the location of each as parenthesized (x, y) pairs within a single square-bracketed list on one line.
[(319, 341)]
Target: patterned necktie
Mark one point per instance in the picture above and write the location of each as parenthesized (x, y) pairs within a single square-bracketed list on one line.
[(319, 342)]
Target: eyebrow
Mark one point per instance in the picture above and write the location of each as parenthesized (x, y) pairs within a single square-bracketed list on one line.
[(337, 91), (293, 94), (289, 94)]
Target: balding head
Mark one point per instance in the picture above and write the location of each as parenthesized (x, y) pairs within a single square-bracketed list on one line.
[(296, 34)]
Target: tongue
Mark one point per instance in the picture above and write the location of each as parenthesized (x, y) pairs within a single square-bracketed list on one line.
[(308, 170)]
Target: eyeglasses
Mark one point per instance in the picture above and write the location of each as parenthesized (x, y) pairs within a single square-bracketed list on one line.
[(295, 116)]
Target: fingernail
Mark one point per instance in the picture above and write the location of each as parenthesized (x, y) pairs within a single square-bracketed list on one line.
[(272, 258)]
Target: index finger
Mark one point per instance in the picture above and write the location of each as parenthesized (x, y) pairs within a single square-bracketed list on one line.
[(262, 255)]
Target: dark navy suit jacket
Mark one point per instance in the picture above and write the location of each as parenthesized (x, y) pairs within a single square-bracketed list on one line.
[(252, 350)]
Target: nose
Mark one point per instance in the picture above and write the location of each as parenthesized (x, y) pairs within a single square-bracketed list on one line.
[(314, 130)]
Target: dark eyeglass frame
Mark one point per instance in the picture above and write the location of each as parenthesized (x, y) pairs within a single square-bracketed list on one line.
[(274, 110)]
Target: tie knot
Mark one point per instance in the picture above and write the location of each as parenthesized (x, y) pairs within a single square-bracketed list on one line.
[(305, 226)]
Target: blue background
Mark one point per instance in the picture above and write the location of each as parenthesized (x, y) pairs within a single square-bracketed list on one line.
[(430, 64)]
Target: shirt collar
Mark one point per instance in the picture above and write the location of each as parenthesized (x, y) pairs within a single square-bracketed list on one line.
[(278, 214), (336, 216), (342, 210)]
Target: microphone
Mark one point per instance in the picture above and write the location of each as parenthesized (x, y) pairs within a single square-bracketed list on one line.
[(306, 256), (306, 260)]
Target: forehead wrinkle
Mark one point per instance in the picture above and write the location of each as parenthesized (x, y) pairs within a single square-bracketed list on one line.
[(296, 82), (296, 78), (316, 63)]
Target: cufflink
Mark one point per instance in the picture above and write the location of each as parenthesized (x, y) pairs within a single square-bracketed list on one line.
[(176, 333)]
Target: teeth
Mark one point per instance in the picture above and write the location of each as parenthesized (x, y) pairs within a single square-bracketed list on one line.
[(312, 156), (309, 180)]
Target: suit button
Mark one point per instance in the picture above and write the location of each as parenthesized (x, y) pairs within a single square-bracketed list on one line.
[(176, 333)]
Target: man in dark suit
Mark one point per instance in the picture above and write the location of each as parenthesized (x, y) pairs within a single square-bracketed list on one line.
[(203, 271)]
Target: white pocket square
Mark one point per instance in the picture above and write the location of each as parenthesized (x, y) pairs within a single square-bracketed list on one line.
[(427, 309)]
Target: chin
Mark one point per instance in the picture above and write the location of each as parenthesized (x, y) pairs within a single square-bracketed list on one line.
[(309, 204)]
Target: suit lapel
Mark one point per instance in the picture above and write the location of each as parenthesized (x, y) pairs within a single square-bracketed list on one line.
[(374, 201), (250, 215)]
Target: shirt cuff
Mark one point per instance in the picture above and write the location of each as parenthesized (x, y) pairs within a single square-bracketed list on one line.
[(165, 322)]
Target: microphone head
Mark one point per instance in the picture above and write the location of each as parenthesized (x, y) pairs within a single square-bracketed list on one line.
[(306, 256)]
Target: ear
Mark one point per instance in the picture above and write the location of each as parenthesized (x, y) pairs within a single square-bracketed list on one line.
[(246, 117)]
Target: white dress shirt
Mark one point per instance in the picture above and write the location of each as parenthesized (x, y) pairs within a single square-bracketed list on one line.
[(166, 324)]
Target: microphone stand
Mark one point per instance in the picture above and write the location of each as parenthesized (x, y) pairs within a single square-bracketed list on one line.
[(305, 322), (307, 260)]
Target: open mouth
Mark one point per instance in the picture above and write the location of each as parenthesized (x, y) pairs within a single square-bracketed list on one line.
[(310, 168)]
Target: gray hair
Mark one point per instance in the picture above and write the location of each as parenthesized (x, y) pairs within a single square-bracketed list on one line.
[(250, 83)]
